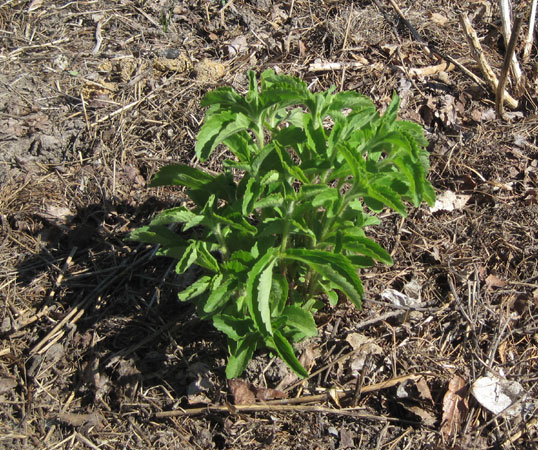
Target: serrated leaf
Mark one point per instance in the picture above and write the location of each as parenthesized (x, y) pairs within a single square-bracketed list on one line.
[(279, 294), (386, 196), (301, 320), (205, 258), (225, 97), (241, 145), (270, 177), (252, 192), (181, 175), (157, 234), (194, 290), (269, 201), (333, 267), (174, 215), (216, 129), (188, 258), (240, 354), (285, 351), (264, 291), (325, 196), (236, 329), (259, 306), (368, 247), (218, 296)]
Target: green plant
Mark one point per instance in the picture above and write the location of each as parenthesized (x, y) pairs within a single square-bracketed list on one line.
[(285, 220)]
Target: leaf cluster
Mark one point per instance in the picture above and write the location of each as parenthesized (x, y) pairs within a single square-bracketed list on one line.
[(284, 222)]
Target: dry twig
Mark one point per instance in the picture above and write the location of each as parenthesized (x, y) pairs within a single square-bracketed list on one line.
[(530, 34), (508, 62), (478, 54)]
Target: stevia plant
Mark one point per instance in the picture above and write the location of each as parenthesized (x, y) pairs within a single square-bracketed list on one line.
[(284, 223)]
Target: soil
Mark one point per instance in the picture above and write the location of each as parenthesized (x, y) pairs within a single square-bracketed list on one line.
[(97, 352)]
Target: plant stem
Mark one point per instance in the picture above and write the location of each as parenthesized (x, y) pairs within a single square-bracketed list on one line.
[(286, 230), (222, 242)]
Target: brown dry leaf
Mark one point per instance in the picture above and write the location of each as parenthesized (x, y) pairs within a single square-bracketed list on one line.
[(495, 281), (309, 355), (455, 407), (240, 389), (77, 420), (439, 19), (58, 214), (426, 417), (7, 384), (346, 439), (424, 389), (265, 394)]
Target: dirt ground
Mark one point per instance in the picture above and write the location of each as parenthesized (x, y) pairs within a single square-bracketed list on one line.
[(96, 350)]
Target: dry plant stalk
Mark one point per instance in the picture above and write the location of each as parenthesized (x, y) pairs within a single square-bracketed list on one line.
[(478, 54), (530, 33), (508, 61), (506, 19)]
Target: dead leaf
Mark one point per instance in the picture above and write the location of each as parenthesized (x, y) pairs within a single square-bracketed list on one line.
[(365, 346), (495, 281), (266, 394), (240, 389), (424, 389), (57, 214), (426, 417), (309, 355), (7, 384), (439, 19), (77, 420), (397, 298), (238, 45), (455, 407), (346, 439)]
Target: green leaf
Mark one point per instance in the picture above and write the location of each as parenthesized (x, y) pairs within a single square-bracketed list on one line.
[(236, 329), (285, 351), (270, 201), (258, 303), (301, 320), (333, 267), (279, 294), (367, 247), (181, 175), (174, 215), (216, 129), (157, 234), (226, 98), (265, 283), (240, 354), (220, 294), (241, 145), (386, 196), (328, 195), (188, 258), (205, 258), (251, 195), (194, 290)]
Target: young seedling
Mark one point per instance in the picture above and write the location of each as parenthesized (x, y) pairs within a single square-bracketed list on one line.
[(284, 222)]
